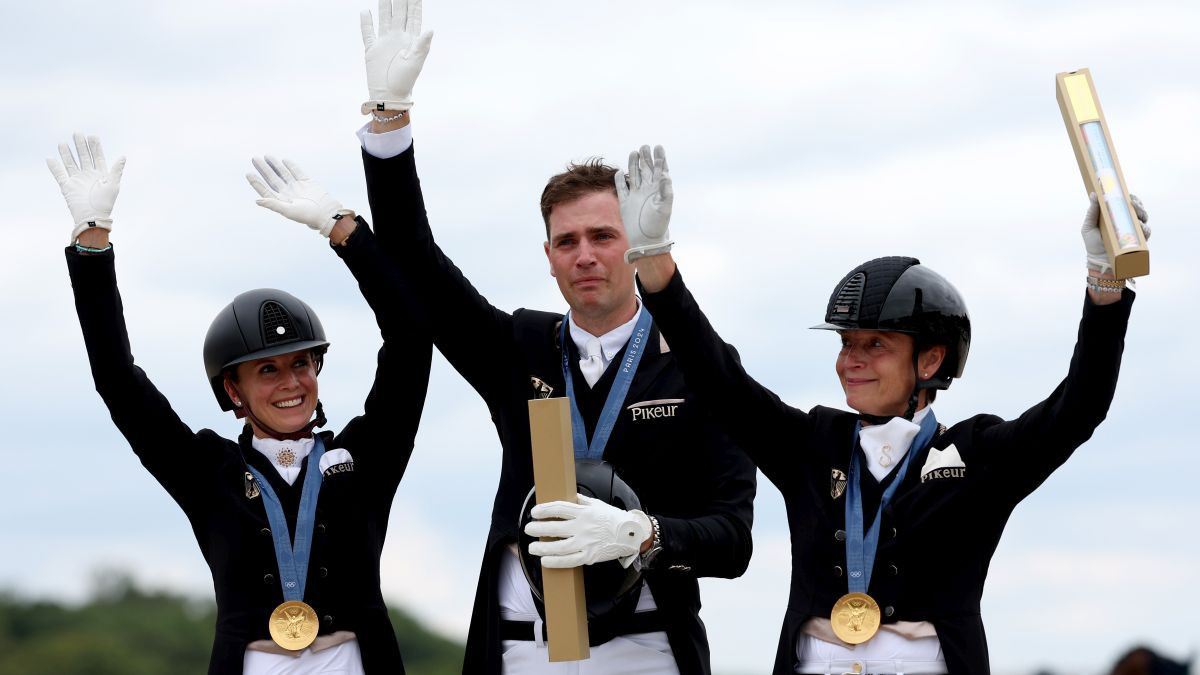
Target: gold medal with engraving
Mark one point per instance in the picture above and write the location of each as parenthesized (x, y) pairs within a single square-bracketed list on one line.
[(293, 625), (855, 618)]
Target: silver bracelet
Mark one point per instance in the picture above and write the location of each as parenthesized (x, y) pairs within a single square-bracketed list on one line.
[(655, 545), (393, 118)]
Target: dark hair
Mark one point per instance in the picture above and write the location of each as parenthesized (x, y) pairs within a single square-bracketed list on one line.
[(579, 180)]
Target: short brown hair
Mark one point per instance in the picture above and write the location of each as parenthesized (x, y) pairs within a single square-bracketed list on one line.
[(593, 175)]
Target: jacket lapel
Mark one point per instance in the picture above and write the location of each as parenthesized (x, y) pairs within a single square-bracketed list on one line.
[(652, 365)]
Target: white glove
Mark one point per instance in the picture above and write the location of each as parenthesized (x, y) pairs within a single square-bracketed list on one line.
[(1097, 256), (592, 531), (646, 197), (90, 188), (289, 192), (395, 57)]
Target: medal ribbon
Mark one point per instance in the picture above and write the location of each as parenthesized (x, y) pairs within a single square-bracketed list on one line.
[(616, 396), (860, 546), (293, 557)]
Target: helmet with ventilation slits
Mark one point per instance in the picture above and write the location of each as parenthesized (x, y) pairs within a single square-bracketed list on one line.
[(900, 294), (259, 324)]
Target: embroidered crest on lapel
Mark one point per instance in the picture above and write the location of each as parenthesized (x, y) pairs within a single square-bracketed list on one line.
[(540, 388), (943, 464), (251, 486), (837, 483)]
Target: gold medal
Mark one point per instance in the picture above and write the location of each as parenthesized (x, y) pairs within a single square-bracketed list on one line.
[(855, 618), (293, 625)]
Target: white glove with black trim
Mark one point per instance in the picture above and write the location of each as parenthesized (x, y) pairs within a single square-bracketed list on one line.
[(1093, 241), (89, 187), (394, 56), (646, 195), (592, 531), (289, 192)]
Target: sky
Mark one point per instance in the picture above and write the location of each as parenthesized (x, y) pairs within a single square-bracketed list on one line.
[(803, 137)]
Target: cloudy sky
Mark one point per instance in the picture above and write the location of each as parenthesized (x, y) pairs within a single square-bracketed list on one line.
[(804, 138)]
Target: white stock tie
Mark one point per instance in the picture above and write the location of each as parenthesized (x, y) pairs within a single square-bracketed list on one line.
[(592, 362)]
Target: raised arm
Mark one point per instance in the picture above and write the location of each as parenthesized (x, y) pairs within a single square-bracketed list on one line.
[(393, 407), (460, 317), (142, 414), (771, 432), (386, 430), (1023, 452)]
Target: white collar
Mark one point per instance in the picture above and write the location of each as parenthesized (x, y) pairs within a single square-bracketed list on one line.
[(611, 342), (886, 444), (275, 450)]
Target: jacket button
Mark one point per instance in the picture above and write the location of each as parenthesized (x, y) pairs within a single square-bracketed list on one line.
[(889, 610), (837, 571), (266, 532), (268, 578), (320, 528), (328, 620), (894, 533), (893, 570), (840, 535), (322, 572)]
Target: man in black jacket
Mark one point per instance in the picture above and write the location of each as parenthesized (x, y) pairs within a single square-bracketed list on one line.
[(696, 490)]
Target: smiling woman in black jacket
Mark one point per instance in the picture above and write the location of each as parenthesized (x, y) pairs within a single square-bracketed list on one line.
[(894, 518), (290, 522)]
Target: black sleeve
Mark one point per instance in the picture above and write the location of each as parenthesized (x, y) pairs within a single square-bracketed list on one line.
[(717, 543), (1021, 453), (460, 317), (385, 432), (771, 432), (162, 442)]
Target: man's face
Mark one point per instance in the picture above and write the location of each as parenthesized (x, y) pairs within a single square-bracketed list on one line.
[(587, 255)]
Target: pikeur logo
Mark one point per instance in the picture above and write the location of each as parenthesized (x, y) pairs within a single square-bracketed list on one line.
[(652, 410), (960, 472)]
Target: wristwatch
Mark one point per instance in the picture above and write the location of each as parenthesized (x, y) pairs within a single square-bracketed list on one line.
[(655, 545)]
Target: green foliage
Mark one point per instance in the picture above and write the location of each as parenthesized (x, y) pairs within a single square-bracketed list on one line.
[(425, 653), (126, 630)]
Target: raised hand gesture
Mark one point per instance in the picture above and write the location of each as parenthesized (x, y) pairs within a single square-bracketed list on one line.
[(646, 196), (89, 187), (285, 189), (395, 55)]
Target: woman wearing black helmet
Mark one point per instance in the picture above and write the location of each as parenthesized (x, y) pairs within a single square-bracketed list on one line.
[(894, 518), (291, 522)]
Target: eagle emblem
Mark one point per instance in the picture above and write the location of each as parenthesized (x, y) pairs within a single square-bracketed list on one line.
[(837, 483), (251, 486), (540, 388)]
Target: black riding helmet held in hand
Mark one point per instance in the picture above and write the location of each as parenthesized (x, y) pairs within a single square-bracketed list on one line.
[(258, 324), (610, 589), (899, 294)]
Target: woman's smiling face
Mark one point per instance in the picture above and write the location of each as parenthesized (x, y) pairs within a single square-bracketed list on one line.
[(280, 390), (876, 371)]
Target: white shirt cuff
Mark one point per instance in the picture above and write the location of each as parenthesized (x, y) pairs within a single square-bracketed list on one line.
[(386, 145)]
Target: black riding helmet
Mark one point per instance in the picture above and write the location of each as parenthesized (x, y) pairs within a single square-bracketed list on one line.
[(258, 324), (608, 586), (900, 294)]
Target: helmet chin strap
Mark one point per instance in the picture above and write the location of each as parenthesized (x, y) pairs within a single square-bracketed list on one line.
[(302, 432)]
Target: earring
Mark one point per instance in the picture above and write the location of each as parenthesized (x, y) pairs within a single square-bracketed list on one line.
[(237, 403), (922, 375)]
